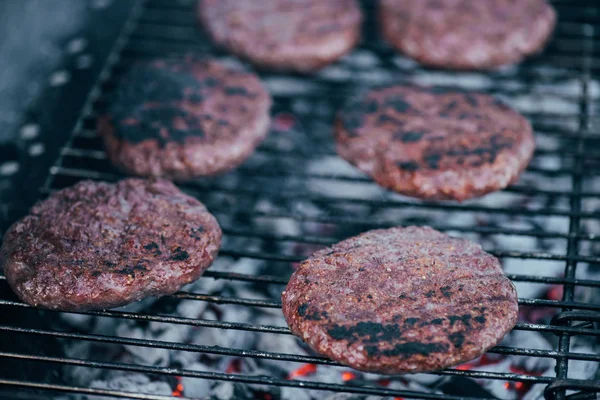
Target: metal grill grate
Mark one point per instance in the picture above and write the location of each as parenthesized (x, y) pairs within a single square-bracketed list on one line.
[(564, 190)]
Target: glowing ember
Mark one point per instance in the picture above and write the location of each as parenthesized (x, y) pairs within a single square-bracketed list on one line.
[(284, 121), (555, 292), (384, 382), (521, 388), (234, 366), (483, 360), (178, 391), (348, 376), (306, 369)]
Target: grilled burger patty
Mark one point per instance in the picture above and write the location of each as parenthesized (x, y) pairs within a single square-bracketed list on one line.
[(467, 34), (181, 119), (434, 143), (99, 245), (297, 35), (400, 300)]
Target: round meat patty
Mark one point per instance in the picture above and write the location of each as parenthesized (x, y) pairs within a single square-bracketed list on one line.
[(400, 300), (467, 34), (98, 245), (298, 35), (181, 119), (434, 143)]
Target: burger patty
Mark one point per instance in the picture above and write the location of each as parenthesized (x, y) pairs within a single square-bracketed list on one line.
[(400, 300), (180, 119), (99, 245), (434, 143), (297, 35), (467, 34)]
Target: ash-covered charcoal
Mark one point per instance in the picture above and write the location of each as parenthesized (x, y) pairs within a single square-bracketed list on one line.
[(455, 302), (127, 382), (180, 119)]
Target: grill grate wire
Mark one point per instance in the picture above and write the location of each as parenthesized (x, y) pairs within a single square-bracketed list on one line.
[(165, 28)]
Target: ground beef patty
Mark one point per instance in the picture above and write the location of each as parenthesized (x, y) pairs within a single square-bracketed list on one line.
[(467, 34), (180, 119), (400, 300), (98, 245), (298, 35), (433, 143)]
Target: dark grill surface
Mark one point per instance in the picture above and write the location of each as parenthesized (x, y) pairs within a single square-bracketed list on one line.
[(285, 183)]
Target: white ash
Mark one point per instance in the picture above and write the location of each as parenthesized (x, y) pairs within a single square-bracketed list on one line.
[(375, 76), (362, 58), (279, 85), (194, 387), (580, 369), (225, 337), (127, 382), (469, 80), (293, 393), (404, 63), (335, 73)]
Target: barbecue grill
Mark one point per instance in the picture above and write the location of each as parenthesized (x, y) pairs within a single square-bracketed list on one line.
[(294, 195)]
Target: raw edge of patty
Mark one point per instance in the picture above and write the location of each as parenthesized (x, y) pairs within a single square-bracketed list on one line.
[(458, 182), (193, 156), (357, 303), (513, 49), (306, 57), (97, 245)]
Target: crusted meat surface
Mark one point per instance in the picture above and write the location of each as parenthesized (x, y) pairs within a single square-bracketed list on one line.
[(298, 35), (400, 300), (98, 245), (467, 34), (434, 143), (180, 119)]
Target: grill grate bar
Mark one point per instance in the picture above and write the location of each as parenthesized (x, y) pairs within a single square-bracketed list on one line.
[(298, 195), (166, 28), (82, 390), (278, 329), (573, 244), (91, 138), (262, 380), (78, 153), (281, 356)]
